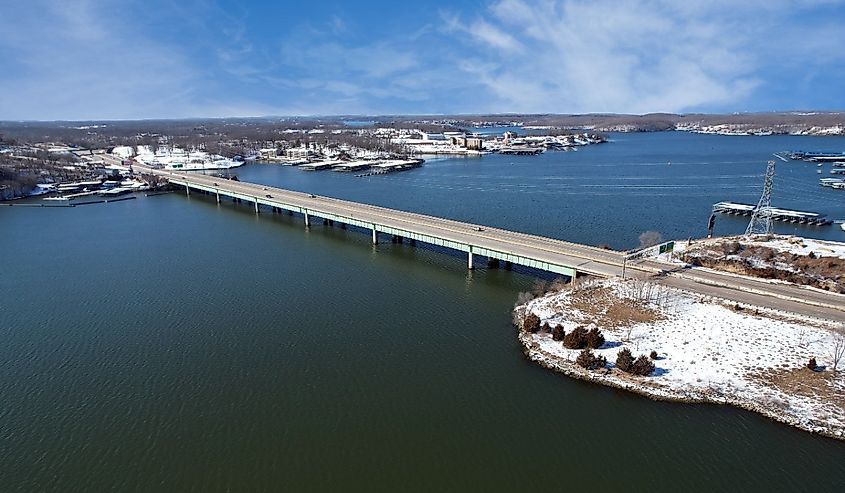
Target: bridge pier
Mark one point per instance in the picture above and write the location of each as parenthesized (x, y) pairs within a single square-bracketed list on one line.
[(525, 250)]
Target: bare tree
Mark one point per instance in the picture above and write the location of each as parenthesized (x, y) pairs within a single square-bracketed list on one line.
[(838, 349), (650, 238)]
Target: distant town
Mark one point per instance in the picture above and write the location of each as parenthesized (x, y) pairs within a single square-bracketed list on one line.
[(80, 160), (40, 157)]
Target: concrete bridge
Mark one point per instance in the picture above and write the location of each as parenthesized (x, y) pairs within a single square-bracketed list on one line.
[(557, 256), (560, 257)]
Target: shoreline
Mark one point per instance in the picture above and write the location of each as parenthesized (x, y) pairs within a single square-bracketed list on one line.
[(606, 378), (764, 385)]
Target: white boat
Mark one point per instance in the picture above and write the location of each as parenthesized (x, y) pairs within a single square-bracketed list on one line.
[(842, 226)]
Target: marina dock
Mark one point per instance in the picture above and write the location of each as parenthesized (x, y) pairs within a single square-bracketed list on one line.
[(782, 215), (346, 166), (392, 166), (521, 151), (318, 165), (832, 182)]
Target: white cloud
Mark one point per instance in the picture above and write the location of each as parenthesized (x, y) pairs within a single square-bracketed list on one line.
[(635, 57), (90, 59), (485, 33)]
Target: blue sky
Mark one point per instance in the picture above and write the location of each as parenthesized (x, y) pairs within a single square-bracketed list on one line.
[(109, 59)]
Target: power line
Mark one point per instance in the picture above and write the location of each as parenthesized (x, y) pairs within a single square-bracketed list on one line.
[(761, 219)]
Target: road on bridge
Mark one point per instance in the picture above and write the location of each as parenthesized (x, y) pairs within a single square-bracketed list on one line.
[(583, 258)]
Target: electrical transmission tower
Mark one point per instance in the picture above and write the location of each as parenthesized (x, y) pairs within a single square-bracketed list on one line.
[(761, 219)]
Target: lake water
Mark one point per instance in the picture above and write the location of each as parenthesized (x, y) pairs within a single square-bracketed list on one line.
[(170, 344)]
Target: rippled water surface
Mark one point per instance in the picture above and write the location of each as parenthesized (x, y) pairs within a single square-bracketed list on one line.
[(166, 343)]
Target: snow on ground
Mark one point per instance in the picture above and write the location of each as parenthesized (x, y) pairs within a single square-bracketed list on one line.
[(796, 245), (804, 261), (804, 246), (707, 350)]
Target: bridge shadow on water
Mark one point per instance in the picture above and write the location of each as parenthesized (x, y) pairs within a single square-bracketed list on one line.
[(402, 249)]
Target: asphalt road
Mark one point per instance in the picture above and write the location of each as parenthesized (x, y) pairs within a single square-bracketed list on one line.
[(583, 258)]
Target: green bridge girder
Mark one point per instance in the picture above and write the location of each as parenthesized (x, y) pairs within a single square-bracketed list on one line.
[(381, 228)]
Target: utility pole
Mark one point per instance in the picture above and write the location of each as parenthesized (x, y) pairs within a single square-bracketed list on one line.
[(761, 219)]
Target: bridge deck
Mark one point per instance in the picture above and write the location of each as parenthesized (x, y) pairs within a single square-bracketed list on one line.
[(535, 251), (519, 248)]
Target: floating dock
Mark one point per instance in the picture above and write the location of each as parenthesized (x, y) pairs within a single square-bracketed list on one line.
[(832, 182), (318, 165), (392, 166), (816, 156), (115, 192), (353, 165), (521, 151), (782, 215)]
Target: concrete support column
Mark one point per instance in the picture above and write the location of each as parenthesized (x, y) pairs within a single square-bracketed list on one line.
[(469, 260), (574, 276), (187, 190), (375, 236), (256, 206), (307, 220), (218, 197)]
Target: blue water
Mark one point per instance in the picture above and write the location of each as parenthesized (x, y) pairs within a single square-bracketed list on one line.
[(601, 194), (169, 343)]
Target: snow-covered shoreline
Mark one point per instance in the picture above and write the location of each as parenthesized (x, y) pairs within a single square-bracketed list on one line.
[(708, 351)]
